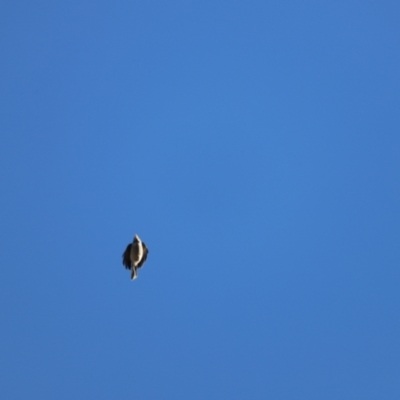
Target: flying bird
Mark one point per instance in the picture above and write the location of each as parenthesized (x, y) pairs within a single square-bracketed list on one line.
[(134, 256)]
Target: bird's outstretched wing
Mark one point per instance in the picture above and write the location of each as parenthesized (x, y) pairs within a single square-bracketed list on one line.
[(126, 257)]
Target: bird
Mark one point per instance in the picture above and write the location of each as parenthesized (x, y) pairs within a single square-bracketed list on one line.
[(134, 256)]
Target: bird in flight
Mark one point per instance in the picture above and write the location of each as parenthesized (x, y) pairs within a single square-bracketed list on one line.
[(134, 256)]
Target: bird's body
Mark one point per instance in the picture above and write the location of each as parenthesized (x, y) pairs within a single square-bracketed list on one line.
[(134, 256)]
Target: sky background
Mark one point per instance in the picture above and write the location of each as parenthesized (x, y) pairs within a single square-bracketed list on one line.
[(254, 146)]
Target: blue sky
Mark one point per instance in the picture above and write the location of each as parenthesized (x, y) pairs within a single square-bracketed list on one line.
[(254, 146)]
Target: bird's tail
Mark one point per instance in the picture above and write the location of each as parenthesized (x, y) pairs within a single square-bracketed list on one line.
[(134, 273)]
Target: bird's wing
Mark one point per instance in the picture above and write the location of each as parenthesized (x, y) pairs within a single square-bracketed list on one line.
[(126, 257), (145, 252)]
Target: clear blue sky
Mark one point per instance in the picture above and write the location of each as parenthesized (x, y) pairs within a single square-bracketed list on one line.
[(254, 146)]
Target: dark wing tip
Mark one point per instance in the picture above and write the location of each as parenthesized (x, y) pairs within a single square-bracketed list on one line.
[(126, 257)]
